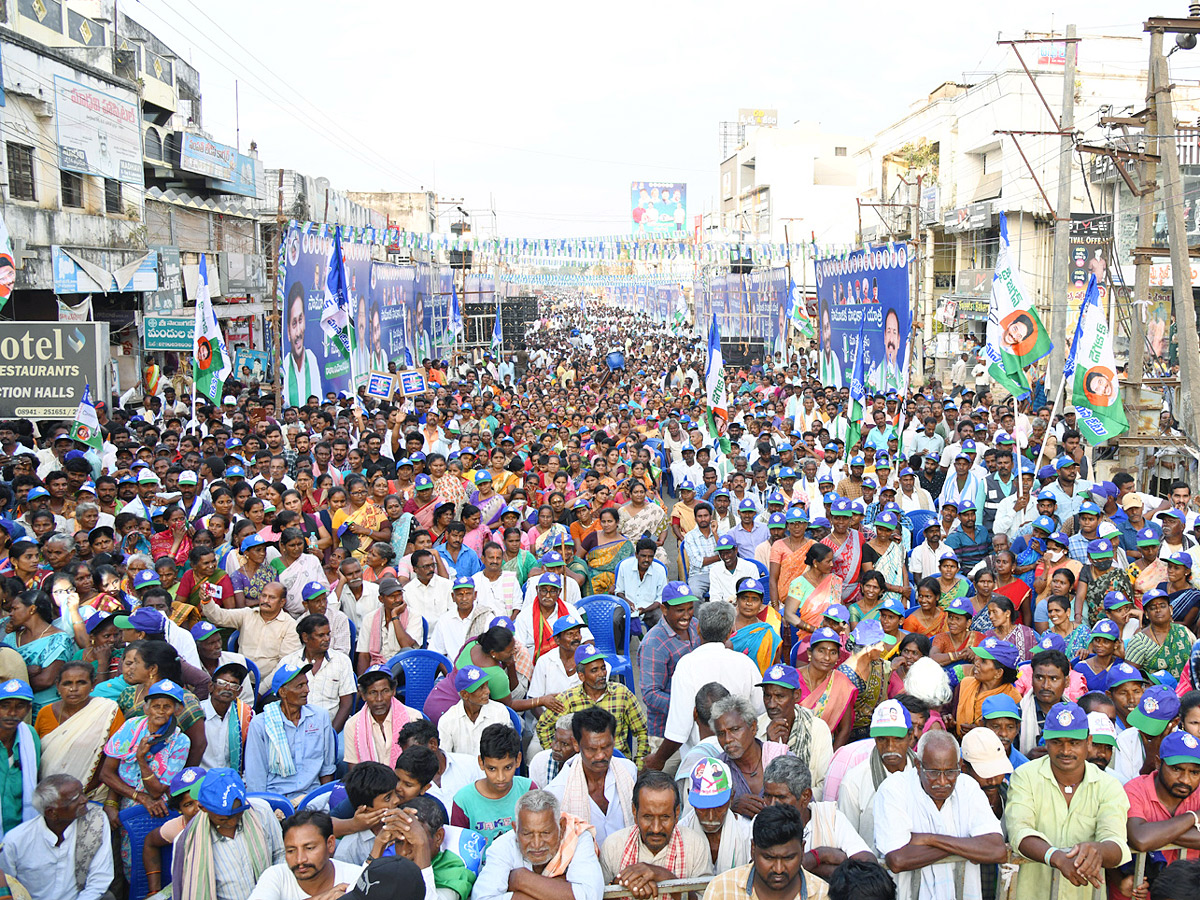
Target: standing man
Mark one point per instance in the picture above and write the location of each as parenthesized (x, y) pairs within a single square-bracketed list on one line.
[(700, 551), (675, 635), (1164, 805)]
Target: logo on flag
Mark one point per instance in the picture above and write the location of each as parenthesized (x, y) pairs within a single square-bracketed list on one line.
[(1016, 338), (1091, 370)]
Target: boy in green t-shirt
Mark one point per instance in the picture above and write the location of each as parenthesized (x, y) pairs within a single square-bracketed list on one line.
[(487, 805)]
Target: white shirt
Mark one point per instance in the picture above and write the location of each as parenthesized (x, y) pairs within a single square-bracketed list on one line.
[(550, 676), (856, 797), (920, 499), (734, 848), (458, 734), (216, 729), (502, 595), (33, 856), (708, 662), (605, 823), (327, 686), (504, 855), (524, 622), (430, 601), (1128, 757), (357, 610), (640, 592), (450, 632), (461, 769), (181, 639), (722, 584), (570, 592)]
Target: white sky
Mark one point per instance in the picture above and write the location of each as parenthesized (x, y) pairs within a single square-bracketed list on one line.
[(552, 109)]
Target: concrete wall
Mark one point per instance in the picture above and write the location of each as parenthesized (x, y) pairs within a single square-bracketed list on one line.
[(408, 210)]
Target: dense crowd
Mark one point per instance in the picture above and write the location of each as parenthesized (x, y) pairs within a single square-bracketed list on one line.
[(553, 626)]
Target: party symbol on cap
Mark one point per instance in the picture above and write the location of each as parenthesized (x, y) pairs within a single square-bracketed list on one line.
[(990, 643), (1151, 705), (776, 672), (188, 776), (473, 674), (1064, 717), (11, 687), (1189, 741)]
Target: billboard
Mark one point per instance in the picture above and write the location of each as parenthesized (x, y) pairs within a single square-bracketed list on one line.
[(168, 332), (1091, 234), (760, 117), (97, 133), (231, 171), (868, 288), (45, 365), (659, 209)]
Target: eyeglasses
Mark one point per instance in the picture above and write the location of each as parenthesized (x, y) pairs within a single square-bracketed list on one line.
[(231, 685), (942, 774)]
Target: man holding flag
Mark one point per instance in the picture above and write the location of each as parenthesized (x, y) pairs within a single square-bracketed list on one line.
[(211, 363), (335, 311), (714, 384), (497, 333), (857, 393)]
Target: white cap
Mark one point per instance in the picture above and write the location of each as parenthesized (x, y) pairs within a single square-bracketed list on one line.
[(982, 749), (1101, 728)]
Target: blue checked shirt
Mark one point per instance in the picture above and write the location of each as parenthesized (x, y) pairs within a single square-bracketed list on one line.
[(697, 546), (661, 650)]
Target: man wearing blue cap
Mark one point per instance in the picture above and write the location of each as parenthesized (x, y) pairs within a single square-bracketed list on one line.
[(1156, 714), (23, 750), (962, 484), (1164, 804), (290, 747), (724, 576), (970, 541), (1066, 812), (1018, 510)]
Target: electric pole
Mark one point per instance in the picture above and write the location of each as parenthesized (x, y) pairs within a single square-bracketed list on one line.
[(1062, 214)]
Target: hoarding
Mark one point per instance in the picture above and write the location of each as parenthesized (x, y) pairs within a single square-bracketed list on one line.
[(768, 117), (168, 299), (659, 209), (70, 277), (231, 171), (168, 332), (97, 133), (868, 288), (45, 365), (1091, 234)]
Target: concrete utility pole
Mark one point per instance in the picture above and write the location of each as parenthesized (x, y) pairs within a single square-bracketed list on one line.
[(1062, 213)]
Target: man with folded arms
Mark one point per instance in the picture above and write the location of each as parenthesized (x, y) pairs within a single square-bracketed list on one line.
[(654, 848), (1063, 812), (891, 729), (1164, 806)]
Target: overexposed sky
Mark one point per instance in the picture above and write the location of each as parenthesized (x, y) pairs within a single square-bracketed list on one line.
[(550, 110)]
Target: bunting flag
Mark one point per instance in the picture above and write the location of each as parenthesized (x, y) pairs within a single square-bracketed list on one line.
[(1091, 370), (1016, 338), (857, 392), (335, 311), (498, 332), (86, 427), (211, 362)]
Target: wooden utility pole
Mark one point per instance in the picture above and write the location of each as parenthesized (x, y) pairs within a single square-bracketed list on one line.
[(1062, 211)]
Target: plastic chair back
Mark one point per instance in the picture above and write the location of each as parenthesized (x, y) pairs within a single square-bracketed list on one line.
[(315, 793), (920, 518), (601, 613), (254, 674), (516, 720), (420, 668), (231, 644), (278, 802), (138, 824), (353, 638), (763, 571)]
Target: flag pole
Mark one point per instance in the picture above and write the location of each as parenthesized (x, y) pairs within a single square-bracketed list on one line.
[(1058, 396)]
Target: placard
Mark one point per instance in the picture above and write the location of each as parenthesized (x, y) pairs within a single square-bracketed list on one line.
[(381, 385), (412, 383)]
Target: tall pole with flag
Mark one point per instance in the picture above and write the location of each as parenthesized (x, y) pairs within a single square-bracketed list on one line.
[(211, 363), (497, 332), (714, 385), (857, 393), (1091, 371), (86, 427), (335, 310), (1016, 338)]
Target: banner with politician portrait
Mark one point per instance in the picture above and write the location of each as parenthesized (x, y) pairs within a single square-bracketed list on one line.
[(868, 289)]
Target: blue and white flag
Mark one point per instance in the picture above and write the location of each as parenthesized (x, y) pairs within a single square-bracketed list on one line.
[(86, 427), (456, 320), (497, 332), (335, 311), (857, 392)]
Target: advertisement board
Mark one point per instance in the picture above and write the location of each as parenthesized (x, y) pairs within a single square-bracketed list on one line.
[(97, 133), (1090, 236), (168, 299), (251, 365), (760, 117), (659, 208), (168, 332), (867, 288), (45, 365), (230, 170), (70, 278)]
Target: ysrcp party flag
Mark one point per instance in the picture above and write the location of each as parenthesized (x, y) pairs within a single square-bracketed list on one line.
[(86, 427), (497, 332), (211, 363), (1091, 369), (456, 319), (1016, 337), (857, 392), (335, 310), (798, 312), (714, 383)]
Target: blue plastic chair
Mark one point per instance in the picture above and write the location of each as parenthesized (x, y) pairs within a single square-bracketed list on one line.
[(317, 792), (516, 720), (231, 644), (920, 518), (601, 613), (763, 571), (138, 824), (255, 674), (278, 802), (421, 668), (353, 639)]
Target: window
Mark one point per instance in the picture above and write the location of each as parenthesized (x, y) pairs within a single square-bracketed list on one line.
[(20, 172), (112, 196), (839, 151), (72, 190)]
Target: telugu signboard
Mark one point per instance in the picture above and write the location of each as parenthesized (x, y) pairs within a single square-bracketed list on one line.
[(659, 209), (45, 365), (97, 133), (168, 332), (231, 171), (768, 117)]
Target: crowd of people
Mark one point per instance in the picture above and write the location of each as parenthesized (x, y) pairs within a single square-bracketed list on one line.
[(551, 626)]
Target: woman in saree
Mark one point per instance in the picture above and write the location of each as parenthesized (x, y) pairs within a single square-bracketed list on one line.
[(317, 534), (26, 562), (443, 515), (910, 648), (1076, 637), (1150, 571), (1161, 643), (336, 502), (604, 550), (175, 542), (884, 555), (1105, 638), (868, 673), (755, 626), (75, 728), (517, 559), (504, 482), (641, 517), (994, 673), (787, 555), (825, 690), (43, 647), (847, 545), (953, 585), (545, 533), (379, 562), (449, 487), (1055, 557), (929, 618), (638, 473), (484, 497), (312, 498), (1185, 599), (255, 572), (148, 662), (870, 598), (1007, 584), (424, 503), (362, 521), (297, 568), (402, 525), (811, 594), (1006, 626), (1097, 579), (953, 646)]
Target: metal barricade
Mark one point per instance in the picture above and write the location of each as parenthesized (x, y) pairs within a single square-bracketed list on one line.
[(675, 887), (1139, 860), (1014, 858)]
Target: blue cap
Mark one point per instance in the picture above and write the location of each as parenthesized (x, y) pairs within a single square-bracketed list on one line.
[(37, 493), (470, 679), (1047, 494), (166, 688), (721, 492), (1052, 641), (232, 442), (1100, 548), (1170, 511), (1026, 467), (1180, 558), (1060, 538), (892, 605), (857, 461), (1066, 720), (482, 475), (566, 623), (1116, 599), (1179, 747), (782, 675), (232, 472), (726, 542), (1150, 536), (785, 447), (187, 782), (1107, 629), (775, 497), (1004, 439), (1000, 652), (966, 506), (463, 581), (1064, 462), (831, 447), (1152, 595), (820, 522), (686, 485), (777, 520), (837, 612), (1046, 472), (1122, 673), (786, 471), (1158, 706), (203, 631), (960, 606), (887, 520), (587, 652), (1001, 706), (869, 484), (907, 470), (747, 505), (968, 446), (16, 689), (1089, 509), (145, 578), (549, 579), (223, 792), (250, 541), (842, 507), (825, 635), (422, 482), (1046, 524), (313, 589), (144, 619), (369, 675), (796, 514), (285, 673), (676, 593), (867, 633), (553, 558), (503, 622)]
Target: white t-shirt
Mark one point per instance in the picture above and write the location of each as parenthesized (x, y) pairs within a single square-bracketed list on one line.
[(278, 882)]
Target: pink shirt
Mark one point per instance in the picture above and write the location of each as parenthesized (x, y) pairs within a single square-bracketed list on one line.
[(1144, 804)]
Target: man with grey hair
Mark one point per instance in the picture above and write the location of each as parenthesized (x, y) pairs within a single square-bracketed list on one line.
[(546, 855), (64, 853), (829, 837), (546, 765), (694, 670), (925, 813), (735, 723), (708, 745)]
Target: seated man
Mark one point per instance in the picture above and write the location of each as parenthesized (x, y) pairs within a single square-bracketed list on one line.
[(544, 853), (776, 870), (655, 848), (63, 852), (925, 814), (595, 787), (226, 716), (290, 746), (891, 730), (462, 725), (787, 722), (372, 733), (1102, 739), (710, 793), (546, 765), (1163, 806), (1156, 714), (311, 869), (487, 805)]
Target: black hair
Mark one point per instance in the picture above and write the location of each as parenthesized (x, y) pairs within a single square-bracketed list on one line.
[(1178, 880), (317, 818), (708, 695), (873, 575), (76, 664), (646, 544), (915, 705), (429, 810), (654, 780), (495, 638), (41, 603), (369, 780), (499, 742), (422, 763), (1004, 604), (816, 553), (417, 732), (160, 655), (931, 584), (922, 641), (595, 720), (1187, 703), (776, 825), (198, 553), (1055, 658), (309, 624), (1092, 701), (861, 880)]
